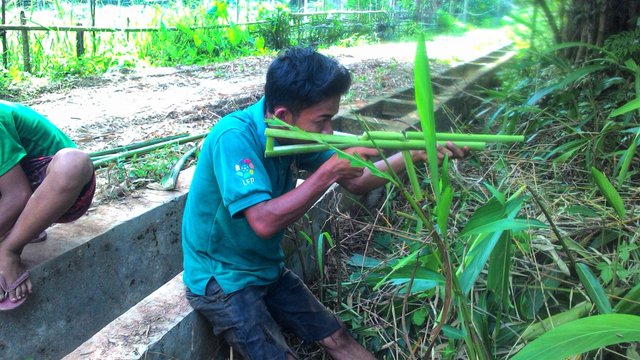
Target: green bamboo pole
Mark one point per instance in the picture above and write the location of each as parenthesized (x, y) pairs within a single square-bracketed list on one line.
[(285, 150), (146, 149), (417, 135), (388, 135), (118, 149)]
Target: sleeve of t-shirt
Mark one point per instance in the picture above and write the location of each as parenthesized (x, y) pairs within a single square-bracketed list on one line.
[(11, 151), (241, 176)]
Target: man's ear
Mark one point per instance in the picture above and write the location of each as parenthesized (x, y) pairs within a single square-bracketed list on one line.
[(283, 114)]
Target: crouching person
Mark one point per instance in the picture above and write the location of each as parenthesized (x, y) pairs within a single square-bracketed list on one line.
[(44, 179)]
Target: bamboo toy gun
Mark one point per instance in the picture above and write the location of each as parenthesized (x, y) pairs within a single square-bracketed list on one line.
[(388, 140)]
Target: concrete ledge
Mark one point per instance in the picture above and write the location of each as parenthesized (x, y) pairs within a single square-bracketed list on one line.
[(89, 272), (162, 326)]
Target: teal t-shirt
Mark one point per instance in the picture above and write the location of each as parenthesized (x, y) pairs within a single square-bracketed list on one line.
[(232, 175), (24, 132)]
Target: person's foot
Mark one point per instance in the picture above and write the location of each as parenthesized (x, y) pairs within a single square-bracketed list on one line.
[(11, 269)]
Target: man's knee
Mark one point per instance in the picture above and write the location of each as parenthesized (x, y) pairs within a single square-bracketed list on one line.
[(74, 165)]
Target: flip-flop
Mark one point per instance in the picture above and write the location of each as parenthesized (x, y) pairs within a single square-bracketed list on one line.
[(7, 304), (40, 238)]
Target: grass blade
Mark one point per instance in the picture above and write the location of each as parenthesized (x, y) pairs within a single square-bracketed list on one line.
[(594, 289), (627, 157), (630, 303), (630, 106), (608, 191)]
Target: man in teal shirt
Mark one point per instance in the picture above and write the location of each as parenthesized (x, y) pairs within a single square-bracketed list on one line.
[(43, 179), (240, 203)]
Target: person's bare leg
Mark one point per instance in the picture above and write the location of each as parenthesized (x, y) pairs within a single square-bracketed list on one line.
[(342, 346), (69, 171)]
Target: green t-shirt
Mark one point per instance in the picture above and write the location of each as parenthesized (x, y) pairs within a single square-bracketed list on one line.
[(24, 132), (232, 175)]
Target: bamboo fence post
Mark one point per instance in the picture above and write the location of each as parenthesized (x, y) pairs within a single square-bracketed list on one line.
[(5, 60), (25, 43), (79, 42), (92, 8)]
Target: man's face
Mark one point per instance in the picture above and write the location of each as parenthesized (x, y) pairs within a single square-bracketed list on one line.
[(316, 119)]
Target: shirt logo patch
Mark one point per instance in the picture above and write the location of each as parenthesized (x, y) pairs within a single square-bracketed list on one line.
[(244, 169)]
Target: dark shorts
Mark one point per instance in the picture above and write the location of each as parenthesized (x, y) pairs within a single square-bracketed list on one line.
[(36, 170), (250, 319)]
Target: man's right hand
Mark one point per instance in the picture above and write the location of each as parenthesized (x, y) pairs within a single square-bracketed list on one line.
[(342, 169)]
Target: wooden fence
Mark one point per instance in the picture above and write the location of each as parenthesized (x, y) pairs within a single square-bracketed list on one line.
[(81, 30)]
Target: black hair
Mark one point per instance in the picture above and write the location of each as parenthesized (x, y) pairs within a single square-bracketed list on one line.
[(301, 77)]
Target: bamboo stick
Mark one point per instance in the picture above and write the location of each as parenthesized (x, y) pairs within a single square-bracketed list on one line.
[(285, 150), (146, 149), (389, 136), (134, 146), (417, 135)]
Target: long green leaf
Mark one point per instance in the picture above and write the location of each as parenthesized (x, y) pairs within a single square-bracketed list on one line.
[(594, 289), (504, 225), (630, 303), (626, 159), (536, 329), (424, 102), (630, 106), (443, 209), (484, 243), (566, 80), (608, 191), (402, 263), (582, 335), (499, 270)]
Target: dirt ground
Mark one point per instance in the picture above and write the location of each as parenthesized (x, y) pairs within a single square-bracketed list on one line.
[(126, 106)]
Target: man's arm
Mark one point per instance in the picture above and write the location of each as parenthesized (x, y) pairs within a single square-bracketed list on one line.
[(15, 191), (269, 217), (368, 181)]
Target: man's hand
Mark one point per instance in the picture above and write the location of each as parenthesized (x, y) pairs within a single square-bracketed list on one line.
[(342, 169), (450, 149)]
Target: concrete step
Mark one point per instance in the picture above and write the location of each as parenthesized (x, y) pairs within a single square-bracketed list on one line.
[(161, 326), (90, 271)]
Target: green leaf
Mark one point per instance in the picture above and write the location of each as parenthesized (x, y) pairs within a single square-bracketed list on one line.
[(505, 224), (496, 193), (419, 316), (499, 270), (454, 333), (402, 263), (444, 209), (411, 174), (536, 329), (626, 159), (630, 303), (608, 191), (424, 102), (594, 289), (566, 80), (582, 335), (630, 106), (361, 261)]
